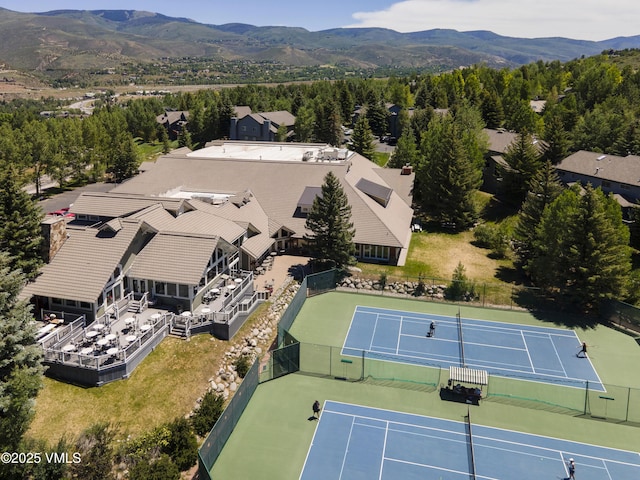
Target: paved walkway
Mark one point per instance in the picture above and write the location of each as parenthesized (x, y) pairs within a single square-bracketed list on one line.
[(283, 266)]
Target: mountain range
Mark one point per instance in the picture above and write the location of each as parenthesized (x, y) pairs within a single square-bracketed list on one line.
[(64, 40)]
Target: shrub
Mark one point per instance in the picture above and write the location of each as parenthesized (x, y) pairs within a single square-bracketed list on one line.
[(242, 365), (95, 448), (161, 469), (182, 445), (421, 288), (460, 287), (208, 413), (382, 281)]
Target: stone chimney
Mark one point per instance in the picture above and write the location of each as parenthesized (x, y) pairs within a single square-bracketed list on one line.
[(54, 234)]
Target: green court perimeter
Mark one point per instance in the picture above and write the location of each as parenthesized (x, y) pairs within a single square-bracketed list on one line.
[(273, 436)]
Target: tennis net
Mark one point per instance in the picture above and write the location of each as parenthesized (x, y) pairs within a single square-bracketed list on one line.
[(471, 452), (462, 363)]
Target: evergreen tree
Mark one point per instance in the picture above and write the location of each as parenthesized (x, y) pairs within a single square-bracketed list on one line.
[(125, 159), (406, 151), (184, 139), (164, 138), (581, 248), (544, 188), (329, 222), (303, 127), (362, 138), (20, 217), (523, 159), (491, 108), (20, 359), (328, 125), (447, 175), (378, 117), (557, 140)]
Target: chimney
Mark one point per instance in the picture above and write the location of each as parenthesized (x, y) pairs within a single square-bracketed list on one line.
[(54, 234), (406, 170)]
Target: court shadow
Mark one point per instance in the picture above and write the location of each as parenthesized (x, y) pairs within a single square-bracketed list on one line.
[(312, 418)]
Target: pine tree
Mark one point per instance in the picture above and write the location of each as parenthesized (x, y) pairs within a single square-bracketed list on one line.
[(491, 107), (448, 175), (362, 138), (581, 248), (125, 160), (544, 188), (303, 127), (20, 217), (328, 125), (20, 359), (557, 140), (523, 159), (406, 152), (329, 222)]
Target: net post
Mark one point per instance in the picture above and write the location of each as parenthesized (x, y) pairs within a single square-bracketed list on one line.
[(586, 398)]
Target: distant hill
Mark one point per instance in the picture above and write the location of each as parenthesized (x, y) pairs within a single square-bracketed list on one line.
[(64, 40)]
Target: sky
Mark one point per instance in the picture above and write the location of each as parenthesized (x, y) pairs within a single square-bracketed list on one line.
[(577, 19)]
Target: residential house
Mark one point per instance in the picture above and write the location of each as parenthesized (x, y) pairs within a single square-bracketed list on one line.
[(260, 127), (499, 142), (619, 176), (174, 122)]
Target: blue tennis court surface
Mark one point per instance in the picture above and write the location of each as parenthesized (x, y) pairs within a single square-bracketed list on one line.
[(542, 354), (356, 442)]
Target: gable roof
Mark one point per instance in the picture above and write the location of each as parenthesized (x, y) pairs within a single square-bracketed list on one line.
[(625, 170), (278, 185), (112, 205), (189, 256), (281, 117), (85, 262)]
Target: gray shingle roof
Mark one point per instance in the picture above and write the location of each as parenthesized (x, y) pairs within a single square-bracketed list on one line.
[(114, 205), (278, 187), (81, 268), (175, 257), (625, 170)]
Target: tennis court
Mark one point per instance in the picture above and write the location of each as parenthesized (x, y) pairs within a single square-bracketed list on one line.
[(541, 354), (353, 441)]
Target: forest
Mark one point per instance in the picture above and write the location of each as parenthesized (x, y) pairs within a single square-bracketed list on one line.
[(589, 104)]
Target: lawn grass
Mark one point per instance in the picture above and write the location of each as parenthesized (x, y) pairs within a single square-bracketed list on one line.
[(435, 256), (381, 158), (165, 385)]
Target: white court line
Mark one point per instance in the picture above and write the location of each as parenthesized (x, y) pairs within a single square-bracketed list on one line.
[(384, 449), (399, 336), (373, 334), (346, 450), (405, 357), (558, 356), (526, 348)]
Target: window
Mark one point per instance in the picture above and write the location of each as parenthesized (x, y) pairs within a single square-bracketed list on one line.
[(171, 289), (183, 291), (71, 303), (161, 288)]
